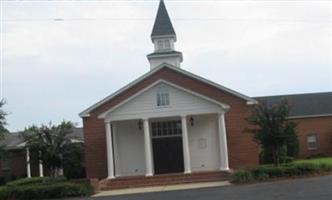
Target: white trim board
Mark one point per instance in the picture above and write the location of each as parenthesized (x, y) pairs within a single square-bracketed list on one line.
[(309, 116), (86, 112)]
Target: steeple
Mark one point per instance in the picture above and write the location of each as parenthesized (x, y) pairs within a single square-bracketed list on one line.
[(162, 25), (163, 37)]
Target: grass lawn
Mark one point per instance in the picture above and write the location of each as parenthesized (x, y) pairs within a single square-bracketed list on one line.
[(327, 160)]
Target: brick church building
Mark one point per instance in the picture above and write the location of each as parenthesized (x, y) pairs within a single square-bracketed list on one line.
[(172, 123)]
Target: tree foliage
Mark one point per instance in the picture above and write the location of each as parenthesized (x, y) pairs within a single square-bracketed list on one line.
[(3, 130), (50, 143), (73, 164), (272, 131), (3, 121)]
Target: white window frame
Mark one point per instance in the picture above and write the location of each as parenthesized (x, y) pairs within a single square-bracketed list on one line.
[(312, 145), (163, 129), (162, 97)]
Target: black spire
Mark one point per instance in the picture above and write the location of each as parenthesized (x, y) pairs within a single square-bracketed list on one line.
[(162, 24)]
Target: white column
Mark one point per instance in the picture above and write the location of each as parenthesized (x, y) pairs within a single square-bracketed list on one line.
[(109, 148), (222, 142), (185, 144), (41, 171), (28, 163), (61, 171), (147, 146), (115, 149)]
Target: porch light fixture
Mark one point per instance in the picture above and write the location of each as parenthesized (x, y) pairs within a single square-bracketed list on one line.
[(140, 124), (191, 120)]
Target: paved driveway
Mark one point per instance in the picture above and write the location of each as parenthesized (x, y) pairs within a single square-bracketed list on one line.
[(317, 188)]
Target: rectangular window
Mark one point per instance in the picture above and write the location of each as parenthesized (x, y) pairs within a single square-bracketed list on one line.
[(312, 142), (162, 97), (167, 44), (160, 44), (166, 129)]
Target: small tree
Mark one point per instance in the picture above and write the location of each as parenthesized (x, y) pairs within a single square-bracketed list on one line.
[(50, 142), (3, 130), (73, 164), (3, 121), (272, 131)]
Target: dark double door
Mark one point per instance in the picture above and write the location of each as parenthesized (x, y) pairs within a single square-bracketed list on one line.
[(168, 155)]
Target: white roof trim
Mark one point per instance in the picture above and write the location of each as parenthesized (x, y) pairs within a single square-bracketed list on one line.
[(76, 141), (309, 116), (104, 114), (86, 112), (23, 144)]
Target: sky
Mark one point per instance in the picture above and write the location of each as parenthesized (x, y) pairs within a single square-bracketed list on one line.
[(60, 57)]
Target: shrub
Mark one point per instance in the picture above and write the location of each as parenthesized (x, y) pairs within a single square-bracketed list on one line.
[(2, 181), (287, 159), (291, 170), (260, 173), (42, 188), (275, 171), (318, 155), (266, 172), (5, 192), (306, 168), (57, 190), (324, 167), (36, 180), (242, 176)]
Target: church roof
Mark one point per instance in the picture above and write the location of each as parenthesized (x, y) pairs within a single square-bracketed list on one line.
[(148, 77), (15, 140), (162, 25), (304, 105)]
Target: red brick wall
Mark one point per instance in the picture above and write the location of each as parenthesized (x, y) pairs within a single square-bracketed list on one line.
[(322, 128), (18, 167), (242, 151)]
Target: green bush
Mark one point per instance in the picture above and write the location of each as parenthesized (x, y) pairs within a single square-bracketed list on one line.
[(57, 190), (5, 192), (318, 155), (36, 180), (291, 170), (242, 176), (266, 172), (42, 188), (260, 173), (324, 167), (287, 159), (2, 181), (307, 168)]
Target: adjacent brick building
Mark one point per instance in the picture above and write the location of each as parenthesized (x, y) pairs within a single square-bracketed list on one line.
[(313, 115)]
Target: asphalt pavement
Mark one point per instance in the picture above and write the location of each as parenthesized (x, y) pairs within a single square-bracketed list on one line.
[(316, 188)]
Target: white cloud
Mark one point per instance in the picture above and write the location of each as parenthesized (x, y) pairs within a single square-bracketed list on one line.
[(55, 69)]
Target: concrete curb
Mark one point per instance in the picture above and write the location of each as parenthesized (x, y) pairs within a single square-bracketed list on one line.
[(161, 188)]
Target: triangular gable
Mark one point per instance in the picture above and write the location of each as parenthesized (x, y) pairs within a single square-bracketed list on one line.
[(181, 100), (171, 74)]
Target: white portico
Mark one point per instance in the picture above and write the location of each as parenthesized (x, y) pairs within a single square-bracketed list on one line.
[(165, 129)]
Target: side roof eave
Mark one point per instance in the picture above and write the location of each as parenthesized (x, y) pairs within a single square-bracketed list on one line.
[(86, 112)]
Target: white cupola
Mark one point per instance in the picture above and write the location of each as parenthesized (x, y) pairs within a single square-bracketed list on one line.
[(163, 37)]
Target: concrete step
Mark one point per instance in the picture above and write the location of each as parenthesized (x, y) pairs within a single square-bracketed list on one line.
[(159, 180)]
